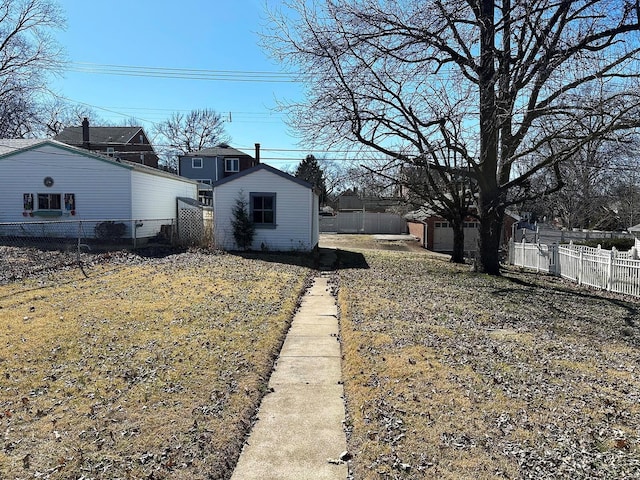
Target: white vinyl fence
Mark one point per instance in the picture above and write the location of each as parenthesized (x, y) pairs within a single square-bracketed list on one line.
[(364, 223), (609, 270)]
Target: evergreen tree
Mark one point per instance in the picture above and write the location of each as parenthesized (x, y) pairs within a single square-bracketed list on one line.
[(243, 228), (310, 171)]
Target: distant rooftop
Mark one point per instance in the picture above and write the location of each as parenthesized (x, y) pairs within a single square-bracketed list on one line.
[(222, 150), (117, 135)]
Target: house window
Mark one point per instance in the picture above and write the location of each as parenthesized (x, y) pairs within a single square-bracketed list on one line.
[(49, 201), (263, 209), (110, 151), (231, 165), (196, 163), (204, 180)]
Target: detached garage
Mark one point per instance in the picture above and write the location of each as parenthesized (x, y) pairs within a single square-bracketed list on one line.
[(48, 181), (284, 210)]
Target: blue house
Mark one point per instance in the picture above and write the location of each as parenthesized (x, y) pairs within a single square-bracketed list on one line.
[(210, 165)]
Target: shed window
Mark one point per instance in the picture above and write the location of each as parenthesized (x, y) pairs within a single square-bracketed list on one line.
[(263, 209), (196, 163), (49, 201), (231, 165)]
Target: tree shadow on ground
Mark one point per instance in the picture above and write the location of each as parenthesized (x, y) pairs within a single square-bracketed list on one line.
[(320, 259), (569, 299), (351, 260)]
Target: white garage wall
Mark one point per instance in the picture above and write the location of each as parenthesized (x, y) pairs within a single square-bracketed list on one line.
[(101, 187)]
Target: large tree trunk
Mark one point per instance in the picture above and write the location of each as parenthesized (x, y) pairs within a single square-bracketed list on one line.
[(491, 221), (490, 210), (457, 256)]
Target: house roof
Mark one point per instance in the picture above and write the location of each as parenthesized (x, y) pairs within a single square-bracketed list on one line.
[(259, 167), (10, 147), (222, 150), (634, 229), (116, 135)]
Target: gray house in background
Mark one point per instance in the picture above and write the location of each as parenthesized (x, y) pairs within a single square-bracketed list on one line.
[(210, 165)]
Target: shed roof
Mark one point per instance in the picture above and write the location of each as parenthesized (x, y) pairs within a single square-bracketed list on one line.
[(10, 147), (257, 168)]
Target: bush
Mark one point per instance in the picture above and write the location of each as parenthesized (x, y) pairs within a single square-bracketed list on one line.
[(621, 244), (110, 230), (243, 228)]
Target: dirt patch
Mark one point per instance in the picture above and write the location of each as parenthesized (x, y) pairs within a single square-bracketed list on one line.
[(375, 242)]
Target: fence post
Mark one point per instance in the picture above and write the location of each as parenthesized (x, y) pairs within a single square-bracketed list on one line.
[(78, 246), (511, 251), (553, 258), (580, 267), (612, 256), (538, 256)]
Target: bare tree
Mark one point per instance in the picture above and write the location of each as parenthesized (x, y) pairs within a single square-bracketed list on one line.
[(18, 115), (186, 133), (27, 54), (56, 114), (493, 81)]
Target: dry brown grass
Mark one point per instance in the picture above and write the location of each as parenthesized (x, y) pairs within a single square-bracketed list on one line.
[(454, 375), (146, 370)]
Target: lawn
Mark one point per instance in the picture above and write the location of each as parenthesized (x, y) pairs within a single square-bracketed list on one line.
[(144, 368), (454, 375), (152, 368)]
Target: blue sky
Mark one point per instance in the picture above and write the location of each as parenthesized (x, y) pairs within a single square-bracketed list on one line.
[(219, 35)]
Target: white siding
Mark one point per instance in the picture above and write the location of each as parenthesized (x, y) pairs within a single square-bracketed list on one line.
[(101, 188), (295, 214), (154, 200), (154, 196)]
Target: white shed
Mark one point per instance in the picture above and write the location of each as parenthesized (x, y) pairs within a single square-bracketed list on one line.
[(283, 208), (45, 180)]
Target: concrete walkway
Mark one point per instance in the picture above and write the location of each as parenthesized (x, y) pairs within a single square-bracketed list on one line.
[(299, 427)]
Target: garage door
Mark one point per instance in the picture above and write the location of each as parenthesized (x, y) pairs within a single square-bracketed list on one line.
[(442, 237)]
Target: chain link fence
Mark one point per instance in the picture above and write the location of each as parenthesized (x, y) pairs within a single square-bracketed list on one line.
[(32, 247)]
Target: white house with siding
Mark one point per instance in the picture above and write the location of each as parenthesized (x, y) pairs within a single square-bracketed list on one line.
[(45, 180), (283, 208)]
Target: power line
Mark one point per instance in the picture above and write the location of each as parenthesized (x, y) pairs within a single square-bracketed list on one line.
[(182, 73)]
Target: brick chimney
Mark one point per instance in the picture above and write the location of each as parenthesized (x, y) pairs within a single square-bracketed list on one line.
[(257, 153), (85, 133)]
